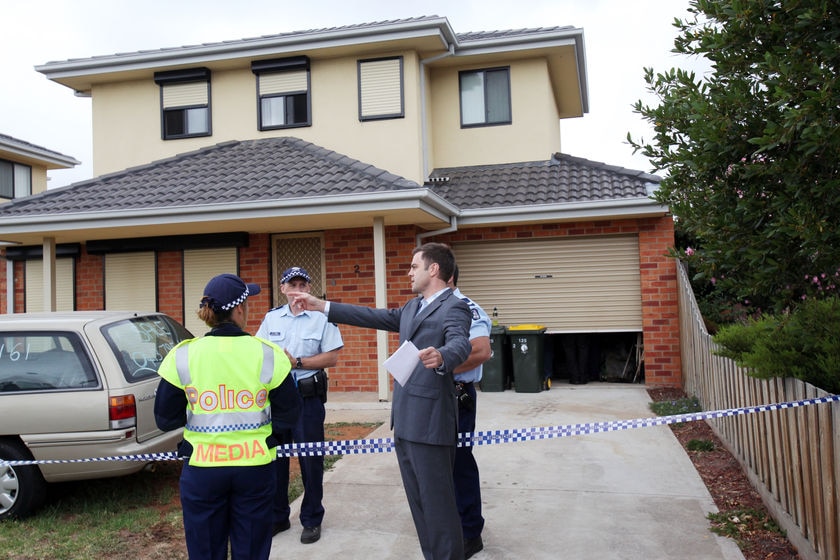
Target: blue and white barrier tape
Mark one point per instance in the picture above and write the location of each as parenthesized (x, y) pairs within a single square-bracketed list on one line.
[(491, 437)]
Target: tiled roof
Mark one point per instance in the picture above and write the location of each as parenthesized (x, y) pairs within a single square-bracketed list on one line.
[(288, 168), (247, 171), (33, 150), (508, 33), (562, 179), (362, 27)]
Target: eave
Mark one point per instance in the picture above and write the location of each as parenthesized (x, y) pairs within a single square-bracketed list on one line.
[(418, 207)]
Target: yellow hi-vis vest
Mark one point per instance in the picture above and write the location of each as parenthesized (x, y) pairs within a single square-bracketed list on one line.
[(227, 380)]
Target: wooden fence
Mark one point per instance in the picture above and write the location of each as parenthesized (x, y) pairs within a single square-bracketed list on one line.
[(791, 456)]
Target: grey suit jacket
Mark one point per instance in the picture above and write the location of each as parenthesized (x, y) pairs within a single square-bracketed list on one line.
[(425, 410)]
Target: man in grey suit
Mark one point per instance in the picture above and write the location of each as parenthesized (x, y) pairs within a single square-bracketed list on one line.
[(424, 415)]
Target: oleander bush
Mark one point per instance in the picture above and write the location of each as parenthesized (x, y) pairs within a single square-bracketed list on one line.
[(803, 343)]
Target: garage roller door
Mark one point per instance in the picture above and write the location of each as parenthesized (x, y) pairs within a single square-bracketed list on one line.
[(569, 284)]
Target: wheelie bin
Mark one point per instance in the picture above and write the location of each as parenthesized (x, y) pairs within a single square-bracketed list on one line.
[(527, 347), (493, 370)]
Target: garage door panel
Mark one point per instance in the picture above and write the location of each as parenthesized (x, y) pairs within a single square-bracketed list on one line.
[(572, 284)]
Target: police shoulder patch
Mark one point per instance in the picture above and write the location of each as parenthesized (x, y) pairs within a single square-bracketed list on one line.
[(475, 315)]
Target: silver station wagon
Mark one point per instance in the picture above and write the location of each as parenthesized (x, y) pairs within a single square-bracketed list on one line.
[(78, 385)]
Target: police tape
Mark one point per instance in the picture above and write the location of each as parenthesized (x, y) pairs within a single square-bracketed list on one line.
[(468, 439)]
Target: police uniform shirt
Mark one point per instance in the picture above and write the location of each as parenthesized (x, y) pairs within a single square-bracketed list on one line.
[(480, 326), (305, 334)]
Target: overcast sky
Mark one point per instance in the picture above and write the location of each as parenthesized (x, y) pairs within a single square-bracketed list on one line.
[(621, 38)]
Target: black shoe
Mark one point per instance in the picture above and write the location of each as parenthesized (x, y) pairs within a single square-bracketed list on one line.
[(310, 535), (471, 546), (281, 526)]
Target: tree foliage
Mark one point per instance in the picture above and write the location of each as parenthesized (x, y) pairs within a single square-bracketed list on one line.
[(752, 148)]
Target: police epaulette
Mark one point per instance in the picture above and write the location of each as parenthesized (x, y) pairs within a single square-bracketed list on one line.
[(275, 308)]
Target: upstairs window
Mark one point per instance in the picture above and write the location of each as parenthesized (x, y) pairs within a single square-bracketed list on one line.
[(485, 97), (283, 92), (185, 102), (15, 180), (381, 89)]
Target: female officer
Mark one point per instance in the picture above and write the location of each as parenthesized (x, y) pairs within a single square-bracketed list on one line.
[(230, 391)]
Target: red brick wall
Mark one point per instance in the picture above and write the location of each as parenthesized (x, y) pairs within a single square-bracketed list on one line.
[(660, 306), (90, 282), (350, 279), (20, 286), (3, 306), (255, 267), (170, 284)]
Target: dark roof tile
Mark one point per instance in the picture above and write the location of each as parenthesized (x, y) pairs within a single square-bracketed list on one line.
[(273, 169), (562, 179), (254, 170)]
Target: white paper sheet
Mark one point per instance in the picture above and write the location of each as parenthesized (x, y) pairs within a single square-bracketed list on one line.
[(401, 364)]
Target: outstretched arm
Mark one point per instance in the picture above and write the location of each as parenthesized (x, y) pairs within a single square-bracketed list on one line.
[(305, 301)]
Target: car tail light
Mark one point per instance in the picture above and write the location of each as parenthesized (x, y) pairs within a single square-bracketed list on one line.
[(122, 412)]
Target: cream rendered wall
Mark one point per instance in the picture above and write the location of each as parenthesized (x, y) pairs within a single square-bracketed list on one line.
[(533, 135), (39, 178), (126, 119)]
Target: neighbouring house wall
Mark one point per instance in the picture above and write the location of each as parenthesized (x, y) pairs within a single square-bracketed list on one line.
[(39, 178)]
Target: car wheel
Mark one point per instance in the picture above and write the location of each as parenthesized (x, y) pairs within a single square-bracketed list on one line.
[(22, 489)]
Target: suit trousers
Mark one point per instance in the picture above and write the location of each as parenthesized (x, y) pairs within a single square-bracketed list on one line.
[(466, 477), (426, 472)]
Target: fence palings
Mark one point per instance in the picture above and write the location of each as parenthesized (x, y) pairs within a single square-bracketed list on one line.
[(791, 456)]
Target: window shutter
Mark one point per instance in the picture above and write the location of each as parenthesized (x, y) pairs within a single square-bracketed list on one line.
[(184, 95), (200, 265), (282, 82), (130, 282), (64, 285), (380, 88)]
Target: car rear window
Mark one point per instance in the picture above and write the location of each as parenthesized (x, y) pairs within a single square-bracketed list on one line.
[(44, 361), (141, 343)]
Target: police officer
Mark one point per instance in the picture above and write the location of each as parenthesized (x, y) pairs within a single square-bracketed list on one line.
[(312, 344), (231, 392), (465, 473)]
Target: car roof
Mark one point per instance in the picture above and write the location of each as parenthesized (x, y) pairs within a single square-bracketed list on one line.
[(65, 318)]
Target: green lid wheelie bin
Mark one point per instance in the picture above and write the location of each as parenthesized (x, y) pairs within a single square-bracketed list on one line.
[(493, 370), (527, 346)]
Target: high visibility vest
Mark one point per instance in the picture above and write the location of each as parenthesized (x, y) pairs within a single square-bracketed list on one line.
[(227, 380)]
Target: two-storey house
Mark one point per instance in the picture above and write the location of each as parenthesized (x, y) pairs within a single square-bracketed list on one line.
[(24, 166), (340, 150), (23, 172)]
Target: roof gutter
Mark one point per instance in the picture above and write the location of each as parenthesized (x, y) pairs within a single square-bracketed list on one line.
[(33, 152), (420, 198), (453, 226), (639, 207)]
